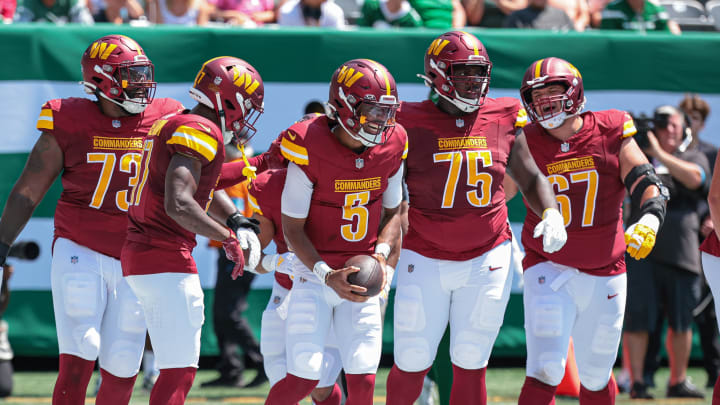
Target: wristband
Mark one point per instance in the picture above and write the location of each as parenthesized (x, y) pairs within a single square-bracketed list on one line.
[(4, 250), (383, 249), (322, 270)]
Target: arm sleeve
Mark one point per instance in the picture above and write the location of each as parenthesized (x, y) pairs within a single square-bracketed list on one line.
[(297, 193), (394, 192)]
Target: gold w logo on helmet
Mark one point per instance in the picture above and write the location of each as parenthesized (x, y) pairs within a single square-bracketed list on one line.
[(437, 46), (245, 80), (573, 69), (349, 76), (102, 50)]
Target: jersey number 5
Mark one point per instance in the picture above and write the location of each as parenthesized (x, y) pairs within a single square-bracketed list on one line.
[(480, 197), (354, 209)]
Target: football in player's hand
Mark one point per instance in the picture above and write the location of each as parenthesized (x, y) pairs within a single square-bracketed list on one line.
[(370, 275)]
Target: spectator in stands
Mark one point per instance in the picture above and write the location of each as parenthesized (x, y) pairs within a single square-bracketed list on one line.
[(314, 13), (179, 12), (246, 13), (539, 15), (697, 111), (491, 13), (55, 11), (577, 10), (6, 353), (7, 10), (672, 268), (116, 11), (637, 15), (413, 13)]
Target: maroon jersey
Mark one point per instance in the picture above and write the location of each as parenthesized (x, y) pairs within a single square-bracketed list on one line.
[(711, 245), (346, 204), (101, 158), (149, 226), (455, 170), (265, 193), (585, 174)]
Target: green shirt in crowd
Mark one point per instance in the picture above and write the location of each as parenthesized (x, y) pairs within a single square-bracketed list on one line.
[(60, 11), (413, 13), (618, 15)]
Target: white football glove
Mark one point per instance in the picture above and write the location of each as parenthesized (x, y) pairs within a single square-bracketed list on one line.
[(552, 229), (640, 236), (248, 240), (273, 261)]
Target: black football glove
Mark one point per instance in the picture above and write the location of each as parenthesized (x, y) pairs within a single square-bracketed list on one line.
[(237, 221)]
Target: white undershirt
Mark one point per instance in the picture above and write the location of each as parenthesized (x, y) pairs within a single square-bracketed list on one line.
[(298, 191)]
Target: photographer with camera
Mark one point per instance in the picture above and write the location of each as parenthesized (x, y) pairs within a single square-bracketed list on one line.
[(672, 269)]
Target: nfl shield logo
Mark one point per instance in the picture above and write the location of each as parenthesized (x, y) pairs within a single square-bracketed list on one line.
[(565, 147), (541, 280), (359, 163), (73, 259), (276, 300), (116, 123), (411, 268), (460, 122)]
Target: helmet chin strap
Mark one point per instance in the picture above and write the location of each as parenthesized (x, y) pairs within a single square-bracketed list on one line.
[(227, 135), (460, 102), (130, 106)]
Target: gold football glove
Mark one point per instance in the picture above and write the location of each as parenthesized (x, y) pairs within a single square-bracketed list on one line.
[(640, 236)]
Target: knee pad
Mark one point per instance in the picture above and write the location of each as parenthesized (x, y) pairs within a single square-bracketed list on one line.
[(550, 368), (275, 368), (547, 312), (332, 364), (471, 349), (302, 317), (413, 354), (409, 312), (307, 360), (87, 341), (124, 358), (594, 378), (80, 294), (272, 334), (607, 336), (364, 356)]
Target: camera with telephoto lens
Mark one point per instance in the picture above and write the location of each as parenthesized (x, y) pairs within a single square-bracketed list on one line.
[(645, 123), (26, 250)]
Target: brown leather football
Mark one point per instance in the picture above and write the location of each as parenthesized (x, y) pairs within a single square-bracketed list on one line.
[(370, 275)]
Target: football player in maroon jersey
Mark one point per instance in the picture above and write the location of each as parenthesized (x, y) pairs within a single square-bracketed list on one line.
[(455, 262), (265, 194), (589, 158), (183, 154), (95, 146), (341, 199)]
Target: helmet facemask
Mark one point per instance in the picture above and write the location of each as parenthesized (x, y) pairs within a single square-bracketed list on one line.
[(466, 82), (242, 126), (551, 111), (131, 84), (372, 121)]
